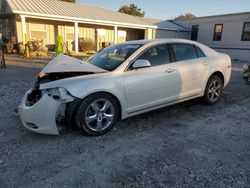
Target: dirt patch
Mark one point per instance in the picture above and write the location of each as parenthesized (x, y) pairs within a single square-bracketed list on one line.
[(185, 145)]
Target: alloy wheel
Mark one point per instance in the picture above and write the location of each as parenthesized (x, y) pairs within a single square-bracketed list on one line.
[(214, 90), (99, 115)]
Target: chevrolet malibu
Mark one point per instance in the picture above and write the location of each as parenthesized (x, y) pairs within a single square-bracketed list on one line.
[(122, 81)]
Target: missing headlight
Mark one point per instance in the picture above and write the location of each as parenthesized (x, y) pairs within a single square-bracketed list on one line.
[(33, 96), (59, 94)]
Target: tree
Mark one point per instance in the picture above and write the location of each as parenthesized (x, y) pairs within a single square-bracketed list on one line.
[(71, 1), (186, 16), (132, 9)]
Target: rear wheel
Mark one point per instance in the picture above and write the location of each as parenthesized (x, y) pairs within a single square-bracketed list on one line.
[(97, 114), (213, 90)]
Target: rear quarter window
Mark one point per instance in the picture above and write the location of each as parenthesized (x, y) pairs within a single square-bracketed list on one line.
[(199, 52)]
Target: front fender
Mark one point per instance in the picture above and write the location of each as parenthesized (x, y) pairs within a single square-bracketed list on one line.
[(83, 86)]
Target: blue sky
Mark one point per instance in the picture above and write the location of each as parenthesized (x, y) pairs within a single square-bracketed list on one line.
[(167, 9)]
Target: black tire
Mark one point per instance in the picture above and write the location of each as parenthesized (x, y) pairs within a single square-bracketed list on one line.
[(209, 91), (84, 108)]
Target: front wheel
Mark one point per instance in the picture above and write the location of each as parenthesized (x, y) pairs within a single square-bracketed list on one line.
[(97, 114), (213, 90)]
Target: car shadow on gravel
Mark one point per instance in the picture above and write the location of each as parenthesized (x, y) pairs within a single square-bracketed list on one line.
[(162, 115), (171, 115)]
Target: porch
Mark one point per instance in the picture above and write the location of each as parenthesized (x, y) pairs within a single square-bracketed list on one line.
[(78, 36)]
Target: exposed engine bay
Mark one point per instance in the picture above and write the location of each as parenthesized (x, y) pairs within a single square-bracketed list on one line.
[(48, 77), (59, 68), (36, 94)]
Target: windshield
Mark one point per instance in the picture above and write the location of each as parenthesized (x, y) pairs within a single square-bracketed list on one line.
[(110, 58)]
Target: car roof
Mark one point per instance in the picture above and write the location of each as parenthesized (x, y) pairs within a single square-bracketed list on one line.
[(208, 51), (170, 40)]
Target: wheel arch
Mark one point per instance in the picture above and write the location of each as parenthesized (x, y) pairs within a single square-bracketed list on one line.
[(220, 75), (216, 73), (205, 95), (112, 95)]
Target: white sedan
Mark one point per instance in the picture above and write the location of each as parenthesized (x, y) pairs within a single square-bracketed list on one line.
[(122, 81)]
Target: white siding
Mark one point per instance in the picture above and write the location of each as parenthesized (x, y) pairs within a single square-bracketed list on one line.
[(162, 33), (231, 42)]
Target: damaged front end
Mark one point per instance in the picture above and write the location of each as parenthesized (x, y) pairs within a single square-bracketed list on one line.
[(43, 111)]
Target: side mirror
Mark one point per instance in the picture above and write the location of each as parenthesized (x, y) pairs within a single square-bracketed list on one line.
[(141, 63)]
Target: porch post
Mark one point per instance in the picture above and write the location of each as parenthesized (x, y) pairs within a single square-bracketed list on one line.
[(24, 31), (76, 37), (146, 34), (149, 34), (154, 34), (115, 34)]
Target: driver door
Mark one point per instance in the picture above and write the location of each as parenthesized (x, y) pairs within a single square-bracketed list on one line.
[(152, 86)]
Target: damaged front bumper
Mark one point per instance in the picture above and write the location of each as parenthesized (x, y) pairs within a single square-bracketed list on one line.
[(42, 116)]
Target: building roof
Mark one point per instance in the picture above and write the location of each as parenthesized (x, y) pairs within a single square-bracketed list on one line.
[(214, 16), (151, 20), (74, 11), (164, 24), (170, 25), (85, 13)]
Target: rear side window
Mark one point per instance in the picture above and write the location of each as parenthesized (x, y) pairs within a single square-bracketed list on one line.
[(199, 52), (157, 55), (184, 52)]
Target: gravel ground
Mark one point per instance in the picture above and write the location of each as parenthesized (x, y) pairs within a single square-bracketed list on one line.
[(185, 145)]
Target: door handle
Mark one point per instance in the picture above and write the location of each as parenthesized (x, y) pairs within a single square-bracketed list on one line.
[(205, 63), (170, 70)]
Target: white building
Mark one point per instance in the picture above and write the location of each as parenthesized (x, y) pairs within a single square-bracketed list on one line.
[(40, 19), (168, 29), (229, 33)]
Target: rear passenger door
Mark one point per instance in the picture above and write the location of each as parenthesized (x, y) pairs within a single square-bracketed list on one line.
[(192, 67)]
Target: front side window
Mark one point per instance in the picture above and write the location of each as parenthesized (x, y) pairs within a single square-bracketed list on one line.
[(157, 55), (184, 52), (110, 58), (246, 32), (218, 32)]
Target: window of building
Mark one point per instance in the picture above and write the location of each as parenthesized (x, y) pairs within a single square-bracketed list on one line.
[(122, 36), (69, 33), (69, 37), (38, 31), (157, 55), (3, 6), (194, 32), (184, 52), (218, 32), (246, 32)]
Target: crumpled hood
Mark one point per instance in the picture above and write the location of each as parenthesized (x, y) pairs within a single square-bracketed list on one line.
[(64, 63)]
